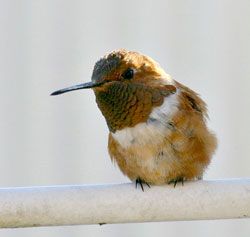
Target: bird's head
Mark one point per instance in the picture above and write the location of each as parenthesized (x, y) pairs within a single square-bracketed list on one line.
[(126, 67), (127, 85)]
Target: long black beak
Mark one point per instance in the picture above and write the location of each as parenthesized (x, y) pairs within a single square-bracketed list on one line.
[(86, 85)]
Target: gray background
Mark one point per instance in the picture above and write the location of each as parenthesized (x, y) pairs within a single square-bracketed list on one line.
[(49, 44)]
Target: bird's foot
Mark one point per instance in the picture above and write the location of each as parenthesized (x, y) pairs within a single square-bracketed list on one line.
[(102, 223), (177, 180), (141, 182)]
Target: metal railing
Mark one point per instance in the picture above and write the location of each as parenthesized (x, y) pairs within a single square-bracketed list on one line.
[(122, 203)]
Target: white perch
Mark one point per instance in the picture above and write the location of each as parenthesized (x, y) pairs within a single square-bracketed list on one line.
[(122, 203)]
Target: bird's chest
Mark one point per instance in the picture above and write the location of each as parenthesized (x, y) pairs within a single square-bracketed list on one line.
[(146, 145), (148, 134), (152, 132)]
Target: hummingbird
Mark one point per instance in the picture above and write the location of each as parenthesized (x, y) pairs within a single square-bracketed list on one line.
[(158, 130)]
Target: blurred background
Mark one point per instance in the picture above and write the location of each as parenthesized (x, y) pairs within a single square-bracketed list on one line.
[(50, 44)]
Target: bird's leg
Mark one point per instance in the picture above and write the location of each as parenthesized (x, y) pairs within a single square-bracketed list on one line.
[(200, 178), (175, 181), (141, 182)]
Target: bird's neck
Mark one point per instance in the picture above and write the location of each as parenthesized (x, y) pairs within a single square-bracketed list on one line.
[(126, 104)]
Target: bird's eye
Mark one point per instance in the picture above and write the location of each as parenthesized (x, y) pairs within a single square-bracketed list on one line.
[(128, 74)]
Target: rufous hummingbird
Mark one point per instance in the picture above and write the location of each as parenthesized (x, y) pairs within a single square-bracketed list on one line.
[(157, 126)]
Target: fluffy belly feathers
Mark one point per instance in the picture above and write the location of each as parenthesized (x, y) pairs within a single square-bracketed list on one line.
[(171, 144)]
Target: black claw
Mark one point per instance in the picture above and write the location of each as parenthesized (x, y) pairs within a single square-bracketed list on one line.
[(175, 181), (142, 186), (141, 182), (147, 184)]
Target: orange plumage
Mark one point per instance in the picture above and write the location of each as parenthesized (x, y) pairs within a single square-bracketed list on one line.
[(158, 131)]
